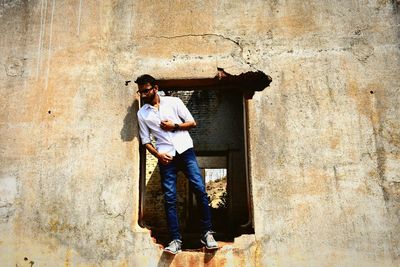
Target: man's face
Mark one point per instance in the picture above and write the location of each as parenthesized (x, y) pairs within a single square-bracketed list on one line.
[(147, 92)]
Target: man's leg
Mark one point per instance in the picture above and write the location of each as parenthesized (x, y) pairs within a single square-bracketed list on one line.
[(192, 172), (168, 182)]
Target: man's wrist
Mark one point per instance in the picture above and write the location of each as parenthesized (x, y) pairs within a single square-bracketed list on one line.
[(176, 127), (158, 156)]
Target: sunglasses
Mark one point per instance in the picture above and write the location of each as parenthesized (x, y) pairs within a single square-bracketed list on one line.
[(145, 91)]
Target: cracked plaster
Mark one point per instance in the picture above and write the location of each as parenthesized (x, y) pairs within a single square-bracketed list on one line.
[(323, 149)]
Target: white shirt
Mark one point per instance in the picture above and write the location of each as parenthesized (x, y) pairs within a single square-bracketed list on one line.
[(170, 108)]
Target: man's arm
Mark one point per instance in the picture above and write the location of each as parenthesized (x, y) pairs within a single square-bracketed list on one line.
[(146, 141), (162, 157), (168, 125), (144, 131), (187, 125)]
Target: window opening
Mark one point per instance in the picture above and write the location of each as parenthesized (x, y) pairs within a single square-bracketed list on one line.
[(215, 181), (221, 149), (216, 187)]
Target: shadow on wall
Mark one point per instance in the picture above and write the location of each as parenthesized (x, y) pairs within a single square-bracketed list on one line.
[(165, 260), (130, 129), (154, 217)]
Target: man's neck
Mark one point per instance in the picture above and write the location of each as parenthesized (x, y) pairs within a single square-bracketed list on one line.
[(156, 101)]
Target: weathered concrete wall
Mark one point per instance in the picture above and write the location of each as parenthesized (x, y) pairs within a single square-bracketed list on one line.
[(324, 137)]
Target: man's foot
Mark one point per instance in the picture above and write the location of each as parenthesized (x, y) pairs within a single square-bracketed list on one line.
[(174, 247), (209, 241)]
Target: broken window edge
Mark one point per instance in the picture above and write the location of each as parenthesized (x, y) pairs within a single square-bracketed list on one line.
[(248, 82)]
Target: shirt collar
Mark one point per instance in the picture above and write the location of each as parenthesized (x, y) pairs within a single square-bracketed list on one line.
[(147, 106)]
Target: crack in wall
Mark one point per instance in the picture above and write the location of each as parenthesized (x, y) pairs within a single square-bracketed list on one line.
[(199, 35), (235, 42), (108, 210)]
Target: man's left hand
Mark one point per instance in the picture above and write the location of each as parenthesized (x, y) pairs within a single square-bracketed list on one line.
[(167, 125)]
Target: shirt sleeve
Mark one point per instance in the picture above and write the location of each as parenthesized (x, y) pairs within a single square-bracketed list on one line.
[(183, 111), (144, 131)]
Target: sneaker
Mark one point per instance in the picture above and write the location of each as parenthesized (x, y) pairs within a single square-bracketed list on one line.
[(174, 247), (209, 241)]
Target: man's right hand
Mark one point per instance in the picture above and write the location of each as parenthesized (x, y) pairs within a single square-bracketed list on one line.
[(164, 158)]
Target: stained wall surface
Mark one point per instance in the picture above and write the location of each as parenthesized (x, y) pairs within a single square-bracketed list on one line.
[(324, 138)]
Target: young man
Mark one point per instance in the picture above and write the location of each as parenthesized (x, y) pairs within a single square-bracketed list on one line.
[(169, 121)]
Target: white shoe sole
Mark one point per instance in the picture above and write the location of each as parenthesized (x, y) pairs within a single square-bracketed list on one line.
[(207, 247), (171, 252)]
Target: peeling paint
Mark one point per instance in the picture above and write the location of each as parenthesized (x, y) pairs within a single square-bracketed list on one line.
[(324, 139), (14, 67)]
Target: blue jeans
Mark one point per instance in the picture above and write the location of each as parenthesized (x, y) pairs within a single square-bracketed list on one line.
[(192, 172)]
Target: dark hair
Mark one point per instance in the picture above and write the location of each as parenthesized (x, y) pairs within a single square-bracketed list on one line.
[(146, 78)]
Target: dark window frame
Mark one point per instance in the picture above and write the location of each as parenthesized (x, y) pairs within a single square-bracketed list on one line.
[(247, 84)]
